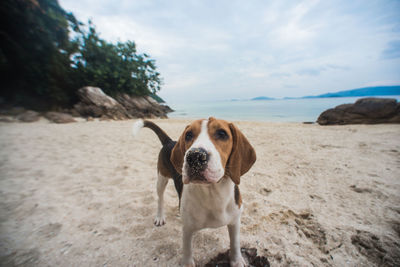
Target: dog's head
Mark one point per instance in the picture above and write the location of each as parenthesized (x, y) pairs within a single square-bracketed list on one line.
[(210, 149)]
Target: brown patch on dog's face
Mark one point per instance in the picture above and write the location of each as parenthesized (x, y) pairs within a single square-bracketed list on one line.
[(242, 156), (186, 139), (191, 133), (220, 135)]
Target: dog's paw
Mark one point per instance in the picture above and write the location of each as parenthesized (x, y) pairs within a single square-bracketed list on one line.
[(238, 262), (159, 221)]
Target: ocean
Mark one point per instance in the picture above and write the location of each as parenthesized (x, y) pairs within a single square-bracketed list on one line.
[(279, 110)]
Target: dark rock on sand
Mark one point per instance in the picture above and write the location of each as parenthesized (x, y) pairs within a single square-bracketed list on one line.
[(95, 103), (29, 116), (143, 107), (363, 111), (59, 117)]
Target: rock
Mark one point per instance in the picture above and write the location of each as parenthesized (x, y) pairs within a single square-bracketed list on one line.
[(136, 106), (95, 103), (29, 116), (59, 117), (104, 118), (160, 107), (6, 119), (143, 107), (86, 110), (74, 113), (166, 108), (363, 111), (14, 111)]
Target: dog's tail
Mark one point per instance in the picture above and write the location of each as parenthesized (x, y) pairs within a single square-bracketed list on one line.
[(164, 138)]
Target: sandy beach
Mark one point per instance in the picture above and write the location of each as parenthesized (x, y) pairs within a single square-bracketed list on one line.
[(83, 194)]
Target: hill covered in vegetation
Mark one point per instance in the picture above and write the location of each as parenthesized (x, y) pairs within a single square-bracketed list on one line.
[(46, 55), (366, 91)]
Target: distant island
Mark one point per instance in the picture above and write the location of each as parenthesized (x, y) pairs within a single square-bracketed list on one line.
[(263, 98), (365, 91)]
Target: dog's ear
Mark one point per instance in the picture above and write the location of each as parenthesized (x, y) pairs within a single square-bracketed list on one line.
[(178, 152), (242, 156)]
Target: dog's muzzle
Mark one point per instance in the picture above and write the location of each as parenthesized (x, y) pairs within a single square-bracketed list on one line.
[(197, 160)]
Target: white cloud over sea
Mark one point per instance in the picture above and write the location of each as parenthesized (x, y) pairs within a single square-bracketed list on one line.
[(242, 49)]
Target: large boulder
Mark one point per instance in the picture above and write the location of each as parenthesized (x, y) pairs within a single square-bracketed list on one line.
[(29, 116), (162, 107), (363, 111), (143, 106), (58, 117), (95, 103)]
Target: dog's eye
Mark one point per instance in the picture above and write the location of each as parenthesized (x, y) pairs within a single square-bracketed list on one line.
[(221, 135), (189, 136)]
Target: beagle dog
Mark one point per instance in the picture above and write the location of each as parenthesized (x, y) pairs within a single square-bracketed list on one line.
[(206, 165)]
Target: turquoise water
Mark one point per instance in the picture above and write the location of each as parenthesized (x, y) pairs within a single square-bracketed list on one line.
[(280, 110)]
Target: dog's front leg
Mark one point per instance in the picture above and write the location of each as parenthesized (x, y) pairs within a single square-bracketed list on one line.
[(236, 259), (161, 185), (187, 247)]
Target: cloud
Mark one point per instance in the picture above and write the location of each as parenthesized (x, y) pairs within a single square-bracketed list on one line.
[(318, 70), (290, 86), (392, 50), (310, 71), (337, 67), (280, 75), (381, 83), (294, 29), (240, 49)]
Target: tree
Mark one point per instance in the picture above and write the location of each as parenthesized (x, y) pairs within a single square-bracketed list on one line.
[(42, 67), (35, 53), (115, 68)]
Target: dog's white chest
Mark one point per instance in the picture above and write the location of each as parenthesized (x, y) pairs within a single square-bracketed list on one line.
[(209, 206)]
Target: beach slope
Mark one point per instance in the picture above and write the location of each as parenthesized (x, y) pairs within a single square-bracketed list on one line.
[(84, 194)]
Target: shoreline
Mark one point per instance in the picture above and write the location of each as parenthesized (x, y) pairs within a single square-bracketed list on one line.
[(280, 110), (80, 120), (85, 194)]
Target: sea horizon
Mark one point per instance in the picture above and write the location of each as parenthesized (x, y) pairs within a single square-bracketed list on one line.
[(272, 110)]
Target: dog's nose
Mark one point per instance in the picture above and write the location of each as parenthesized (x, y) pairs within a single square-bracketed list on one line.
[(197, 159)]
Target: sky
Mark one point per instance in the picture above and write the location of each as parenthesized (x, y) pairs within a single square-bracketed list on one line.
[(228, 49)]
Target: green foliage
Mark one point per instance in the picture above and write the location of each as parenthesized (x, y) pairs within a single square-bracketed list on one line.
[(115, 68), (42, 67), (35, 49)]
